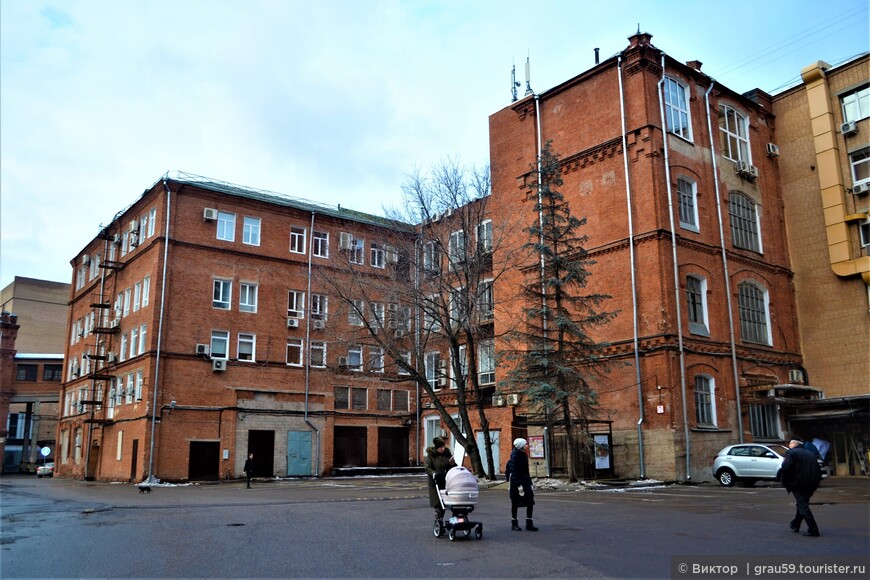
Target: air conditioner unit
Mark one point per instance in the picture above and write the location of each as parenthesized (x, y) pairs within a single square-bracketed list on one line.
[(742, 167), (796, 376), (134, 239), (111, 357), (116, 239), (772, 150), (753, 172), (209, 214), (86, 259), (219, 365), (849, 128), (342, 362), (860, 188), (398, 333), (318, 324), (202, 349), (292, 323), (513, 399), (392, 255), (498, 401), (134, 226), (345, 241)]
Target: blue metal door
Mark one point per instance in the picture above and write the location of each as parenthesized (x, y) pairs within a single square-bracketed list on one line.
[(299, 453)]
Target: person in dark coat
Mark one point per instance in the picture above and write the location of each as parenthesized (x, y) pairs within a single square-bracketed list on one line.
[(801, 475), (249, 468), (521, 492), (438, 461)]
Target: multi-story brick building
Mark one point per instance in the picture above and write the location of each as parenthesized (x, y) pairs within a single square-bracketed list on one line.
[(33, 335)]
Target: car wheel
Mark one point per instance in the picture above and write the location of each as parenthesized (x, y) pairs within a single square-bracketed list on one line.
[(726, 477), (39, 475)]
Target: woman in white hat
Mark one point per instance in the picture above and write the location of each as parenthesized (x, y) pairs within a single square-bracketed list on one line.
[(517, 472)]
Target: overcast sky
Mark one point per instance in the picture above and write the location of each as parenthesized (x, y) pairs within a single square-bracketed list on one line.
[(335, 101)]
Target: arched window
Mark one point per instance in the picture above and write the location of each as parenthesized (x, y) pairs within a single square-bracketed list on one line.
[(696, 302), (753, 304), (705, 401), (744, 222), (687, 191)]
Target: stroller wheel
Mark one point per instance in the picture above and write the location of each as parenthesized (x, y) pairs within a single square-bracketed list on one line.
[(478, 532), (437, 530), (466, 532), (451, 534)]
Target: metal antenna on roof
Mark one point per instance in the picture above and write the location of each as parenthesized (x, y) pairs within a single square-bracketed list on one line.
[(514, 84), (529, 90), (638, 27)]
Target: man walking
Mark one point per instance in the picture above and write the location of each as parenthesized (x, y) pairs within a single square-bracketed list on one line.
[(249, 468), (801, 475)]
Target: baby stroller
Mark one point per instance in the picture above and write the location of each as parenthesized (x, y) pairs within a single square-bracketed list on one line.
[(460, 495)]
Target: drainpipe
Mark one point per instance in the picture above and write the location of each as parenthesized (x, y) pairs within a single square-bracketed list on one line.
[(308, 358), (677, 300), (417, 255), (724, 265), (640, 419), (154, 405)]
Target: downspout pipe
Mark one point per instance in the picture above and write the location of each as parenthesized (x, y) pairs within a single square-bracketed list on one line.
[(634, 309), (308, 358), (728, 300), (156, 382), (677, 300)]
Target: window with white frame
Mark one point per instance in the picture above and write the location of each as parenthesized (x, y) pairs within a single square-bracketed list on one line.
[(318, 354), (226, 226), (296, 304), (484, 237), (734, 133), (677, 108), (378, 255), (119, 391), (859, 162), (143, 338), (431, 306), (297, 240), (433, 369), (140, 380), (696, 301), (354, 361), (456, 251), (463, 368), (319, 306), (405, 356), (753, 304), (146, 291), (688, 199), (376, 359), (220, 343), (486, 362), (485, 300), (222, 294), (705, 401), (152, 221), (251, 231), (127, 300), (864, 230), (294, 352), (431, 257), (320, 244), (457, 306), (399, 319), (248, 297), (856, 105), (131, 388), (357, 251), (744, 218), (356, 312), (77, 445), (137, 296), (123, 353), (247, 347), (379, 315)]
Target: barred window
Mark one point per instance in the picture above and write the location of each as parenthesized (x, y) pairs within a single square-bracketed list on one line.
[(687, 191), (705, 403), (744, 222), (754, 316)]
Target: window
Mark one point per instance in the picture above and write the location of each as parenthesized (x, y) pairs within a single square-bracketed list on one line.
[(137, 296), (131, 387), (294, 352), (378, 255), (399, 319), (143, 340), (401, 401), (430, 307), (860, 164), (696, 299), (384, 399), (456, 249), (688, 197), (379, 315), (247, 297), (342, 395), (463, 368), (405, 356), (52, 373), (354, 358), (457, 307), (433, 369), (320, 244), (318, 354), (297, 240), (431, 258), (754, 317), (152, 221), (122, 355), (359, 399), (376, 360), (251, 231), (486, 362), (226, 226), (705, 402), (126, 302), (119, 391), (484, 237), (134, 341), (139, 382), (677, 108), (734, 134), (764, 421), (247, 347), (220, 342), (355, 313), (856, 105), (864, 230), (296, 304), (146, 291), (356, 253), (744, 222), (319, 306), (27, 372), (222, 295)]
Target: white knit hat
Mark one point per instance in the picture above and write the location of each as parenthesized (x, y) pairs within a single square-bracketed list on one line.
[(519, 442)]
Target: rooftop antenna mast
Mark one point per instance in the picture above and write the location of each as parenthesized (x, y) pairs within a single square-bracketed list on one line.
[(514, 84), (529, 90)]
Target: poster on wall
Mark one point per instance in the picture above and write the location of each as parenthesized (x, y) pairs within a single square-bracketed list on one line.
[(602, 452), (536, 446)]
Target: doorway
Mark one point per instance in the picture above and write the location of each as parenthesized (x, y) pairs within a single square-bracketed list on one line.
[(134, 461), (262, 444), (204, 461), (393, 447), (350, 444), (299, 453)]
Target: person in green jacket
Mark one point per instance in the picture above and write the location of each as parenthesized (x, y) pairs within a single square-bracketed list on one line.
[(438, 461)]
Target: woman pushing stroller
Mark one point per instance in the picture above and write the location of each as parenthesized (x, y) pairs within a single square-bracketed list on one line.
[(521, 493), (438, 461)]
